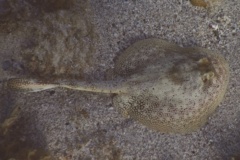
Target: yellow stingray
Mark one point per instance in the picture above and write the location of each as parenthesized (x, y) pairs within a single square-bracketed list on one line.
[(159, 84)]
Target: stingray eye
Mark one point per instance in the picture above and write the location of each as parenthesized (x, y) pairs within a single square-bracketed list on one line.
[(203, 61), (207, 76)]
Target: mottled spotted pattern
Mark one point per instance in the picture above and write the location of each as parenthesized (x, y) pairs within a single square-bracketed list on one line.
[(180, 87)]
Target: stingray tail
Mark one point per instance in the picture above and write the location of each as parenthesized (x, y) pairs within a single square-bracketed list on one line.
[(33, 85), (101, 87), (28, 85)]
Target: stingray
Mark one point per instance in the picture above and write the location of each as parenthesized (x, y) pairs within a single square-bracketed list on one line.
[(159, 84)]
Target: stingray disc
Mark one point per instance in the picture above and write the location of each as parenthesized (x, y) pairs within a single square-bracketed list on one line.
[(169, 88)]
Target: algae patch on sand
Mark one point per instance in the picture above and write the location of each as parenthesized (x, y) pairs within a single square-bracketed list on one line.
[(15, 144), (49, 38)]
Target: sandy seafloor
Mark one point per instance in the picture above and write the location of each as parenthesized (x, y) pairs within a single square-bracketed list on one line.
[(74, 125)]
